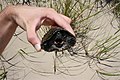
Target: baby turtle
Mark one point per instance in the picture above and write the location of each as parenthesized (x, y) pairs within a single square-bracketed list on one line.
[(57, 39)]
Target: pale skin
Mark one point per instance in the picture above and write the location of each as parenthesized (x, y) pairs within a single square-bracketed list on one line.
[(29, 19)]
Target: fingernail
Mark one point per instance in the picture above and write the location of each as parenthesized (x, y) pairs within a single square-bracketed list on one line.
[(42, 21), (37, 47)]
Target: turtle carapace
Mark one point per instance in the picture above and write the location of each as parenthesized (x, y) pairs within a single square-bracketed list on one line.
[(57, 39)]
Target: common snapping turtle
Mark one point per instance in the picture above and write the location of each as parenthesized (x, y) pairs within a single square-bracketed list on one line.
[(57, 39)]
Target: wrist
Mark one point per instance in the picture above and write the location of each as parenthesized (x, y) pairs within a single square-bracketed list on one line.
[(6, 21), (8, 13)]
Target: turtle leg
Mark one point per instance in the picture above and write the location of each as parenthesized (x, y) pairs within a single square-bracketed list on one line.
[(71, 52)]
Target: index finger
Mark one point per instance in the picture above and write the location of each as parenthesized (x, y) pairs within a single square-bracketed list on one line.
[(66, 18)]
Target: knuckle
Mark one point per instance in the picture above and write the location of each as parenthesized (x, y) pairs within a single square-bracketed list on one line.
[(51, 13), (51, 9), (31, 39), (70, 20)]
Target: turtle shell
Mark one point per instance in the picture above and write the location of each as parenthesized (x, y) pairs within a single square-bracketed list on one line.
[(57, 39)]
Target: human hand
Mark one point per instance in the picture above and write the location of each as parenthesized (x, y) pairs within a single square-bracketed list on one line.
[(31, 18)]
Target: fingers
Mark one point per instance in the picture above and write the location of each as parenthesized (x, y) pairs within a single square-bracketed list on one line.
[(62, 21), (33, 38), (66, 18), (48, 21)]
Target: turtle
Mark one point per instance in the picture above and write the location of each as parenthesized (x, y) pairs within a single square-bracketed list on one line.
[(57, 39)]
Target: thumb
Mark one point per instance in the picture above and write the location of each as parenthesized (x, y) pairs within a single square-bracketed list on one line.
[(33, 38)]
